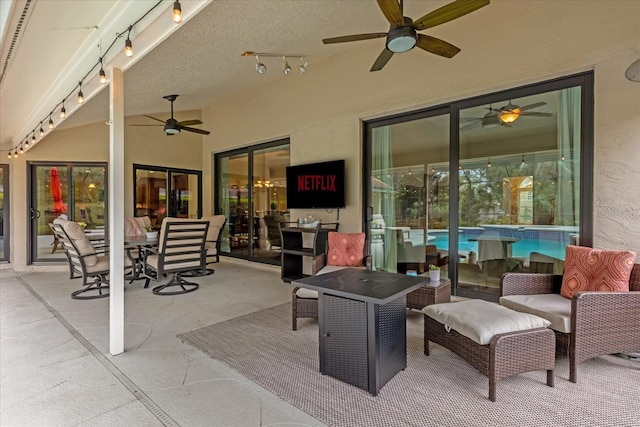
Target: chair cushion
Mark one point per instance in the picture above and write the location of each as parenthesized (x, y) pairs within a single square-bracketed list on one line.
[(346, 249), (215, 224), (553, 307), (588, 269), (307, 293), (481, 320), (133, 227), (84, 246)]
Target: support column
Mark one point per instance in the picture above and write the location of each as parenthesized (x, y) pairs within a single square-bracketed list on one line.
[(116, 212)]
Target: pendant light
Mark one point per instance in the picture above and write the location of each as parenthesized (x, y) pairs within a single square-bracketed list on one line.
[(41, 130), (80, 94), (177, 12), (63, 112)]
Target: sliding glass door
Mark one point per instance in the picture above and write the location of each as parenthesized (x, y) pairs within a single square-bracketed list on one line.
[(75, 191), (251, 192), (4, 213), (516, 192), (162, 192)]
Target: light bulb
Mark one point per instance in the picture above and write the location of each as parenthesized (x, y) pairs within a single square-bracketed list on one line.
[(80, 97), (33, 139), (303, 67), (177, 12), (41, 130), (50, 123), (103, 76), (15, 154), (21, 150), (287, 69), (26, 143), (260, 67), (128, 47), (9, 155), (63, 112)]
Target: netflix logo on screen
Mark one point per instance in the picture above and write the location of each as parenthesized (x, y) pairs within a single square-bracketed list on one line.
[(316, 185)]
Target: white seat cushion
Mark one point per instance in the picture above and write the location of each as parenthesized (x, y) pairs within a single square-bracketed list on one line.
[(481, 320), (306, 293), (553, 307)]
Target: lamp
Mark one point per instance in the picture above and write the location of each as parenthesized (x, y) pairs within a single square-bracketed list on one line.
[(102, 75), (286, 69), (128, 46), (509, 113), (80, 94), (177, 12), (303, 67), (403, 38), (260, 67)]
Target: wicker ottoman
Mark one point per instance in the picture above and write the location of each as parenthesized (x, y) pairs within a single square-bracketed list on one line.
[(506, 354)]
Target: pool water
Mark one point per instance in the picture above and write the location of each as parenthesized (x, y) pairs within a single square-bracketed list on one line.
[(520, 249)]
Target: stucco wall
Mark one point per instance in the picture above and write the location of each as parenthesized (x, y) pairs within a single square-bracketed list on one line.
[(323, 110)]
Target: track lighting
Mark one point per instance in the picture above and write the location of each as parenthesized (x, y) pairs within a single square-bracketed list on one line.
[(63, 112), (286, 69), (177, 12), (260, 67), (41, 130), (80, 94)]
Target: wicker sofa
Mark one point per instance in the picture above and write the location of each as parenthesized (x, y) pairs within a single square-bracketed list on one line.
[(598, 323)]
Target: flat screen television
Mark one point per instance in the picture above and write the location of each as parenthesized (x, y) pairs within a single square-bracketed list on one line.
[(316, 185)]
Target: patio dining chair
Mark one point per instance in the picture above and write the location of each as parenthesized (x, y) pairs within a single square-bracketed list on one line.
[(86, 259), (181, 249)]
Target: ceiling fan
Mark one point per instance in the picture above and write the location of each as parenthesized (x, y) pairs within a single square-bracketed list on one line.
[(505, 116), (403, 36), (172, 126)]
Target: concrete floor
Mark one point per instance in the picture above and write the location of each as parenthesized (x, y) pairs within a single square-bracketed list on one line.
[(56, 368)]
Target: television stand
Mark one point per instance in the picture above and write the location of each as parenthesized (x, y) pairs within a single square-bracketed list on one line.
[(294, 249)]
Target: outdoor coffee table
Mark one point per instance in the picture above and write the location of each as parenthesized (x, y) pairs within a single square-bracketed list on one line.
[(362, 324)]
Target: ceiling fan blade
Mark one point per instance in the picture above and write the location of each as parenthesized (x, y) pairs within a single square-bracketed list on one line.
[(536, 114), (437, 46), (158, 120), (146, 125), (448, 13), (472, 125), (382, 60), (190, 122), (194, 130), (391, 10), (353, 38), (531, 106)]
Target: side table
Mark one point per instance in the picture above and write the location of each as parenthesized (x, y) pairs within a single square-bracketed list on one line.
[(431, 293)]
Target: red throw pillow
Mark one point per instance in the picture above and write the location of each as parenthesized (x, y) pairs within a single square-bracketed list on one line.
[(346, 249), (587, 269)]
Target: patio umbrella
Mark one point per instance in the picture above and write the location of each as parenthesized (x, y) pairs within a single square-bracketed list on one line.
[(56, 193)]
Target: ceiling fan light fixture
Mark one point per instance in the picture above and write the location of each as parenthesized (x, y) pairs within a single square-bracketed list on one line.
[(303, 67), (633, 72), (508, 116), (402, 39)]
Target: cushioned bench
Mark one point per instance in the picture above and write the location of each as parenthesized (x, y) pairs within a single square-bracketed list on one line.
[(495, 340)]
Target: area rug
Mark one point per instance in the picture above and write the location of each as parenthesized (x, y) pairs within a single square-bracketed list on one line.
[(438, 390)]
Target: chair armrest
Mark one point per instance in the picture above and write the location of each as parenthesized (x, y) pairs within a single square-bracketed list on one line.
[(318, 263), (529, 284), (605, 322)]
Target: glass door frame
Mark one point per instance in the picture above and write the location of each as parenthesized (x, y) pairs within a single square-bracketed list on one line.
[(169, 171), (32, 233), (6, 209), (583, 80), (218, 191)]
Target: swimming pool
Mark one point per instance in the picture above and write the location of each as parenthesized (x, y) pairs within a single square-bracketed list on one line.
[(520, 249)]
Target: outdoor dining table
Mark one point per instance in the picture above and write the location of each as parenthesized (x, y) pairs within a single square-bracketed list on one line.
[(136, 243)]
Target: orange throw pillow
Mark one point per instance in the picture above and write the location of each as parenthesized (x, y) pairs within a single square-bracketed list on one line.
[(588, 269), (346, 249)]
